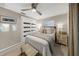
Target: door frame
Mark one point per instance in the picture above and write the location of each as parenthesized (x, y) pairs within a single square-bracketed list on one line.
[(73, 29)]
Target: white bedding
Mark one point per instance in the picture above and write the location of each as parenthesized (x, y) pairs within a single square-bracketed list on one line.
[(41, 45), (42, 42)]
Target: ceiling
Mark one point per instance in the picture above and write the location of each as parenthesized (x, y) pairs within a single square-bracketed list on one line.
[(47, 9)]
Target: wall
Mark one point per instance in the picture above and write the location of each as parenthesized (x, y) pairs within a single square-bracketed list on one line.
[(10, 38), (48, 23), (59, 19)]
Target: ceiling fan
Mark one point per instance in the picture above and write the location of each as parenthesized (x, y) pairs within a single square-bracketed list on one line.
[(33, 8)]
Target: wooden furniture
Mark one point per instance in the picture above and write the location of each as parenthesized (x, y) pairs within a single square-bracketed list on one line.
[(28, 50), (62, 38)]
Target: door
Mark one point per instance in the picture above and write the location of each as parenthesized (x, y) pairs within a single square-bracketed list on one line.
[(73, 29)]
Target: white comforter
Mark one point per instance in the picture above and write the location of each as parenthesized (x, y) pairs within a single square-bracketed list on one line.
[(41, 42)]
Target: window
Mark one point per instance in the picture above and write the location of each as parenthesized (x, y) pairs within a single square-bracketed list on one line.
[(13, 26), (4, 27)]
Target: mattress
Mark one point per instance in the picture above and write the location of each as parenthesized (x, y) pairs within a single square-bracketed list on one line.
[(41, 45), (47, 38)]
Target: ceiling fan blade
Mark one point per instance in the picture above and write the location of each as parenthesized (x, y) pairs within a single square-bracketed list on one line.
[(38, 12), (25, 9), (22, 13)]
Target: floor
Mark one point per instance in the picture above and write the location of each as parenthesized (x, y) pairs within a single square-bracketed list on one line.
[(60, 50)]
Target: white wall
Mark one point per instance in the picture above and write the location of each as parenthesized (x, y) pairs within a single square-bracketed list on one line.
[(48, 23), (59, 19), (12, 37)]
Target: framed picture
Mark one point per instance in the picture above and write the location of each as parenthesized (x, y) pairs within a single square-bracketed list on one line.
[(7, 19)]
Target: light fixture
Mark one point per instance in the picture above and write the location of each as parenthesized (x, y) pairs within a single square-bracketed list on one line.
[(34, 10)]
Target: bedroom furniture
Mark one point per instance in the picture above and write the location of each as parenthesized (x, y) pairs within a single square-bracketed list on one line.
[(41, 45), (29, 50), (42, 42), (28, 25), (48, 30), (62, 38)]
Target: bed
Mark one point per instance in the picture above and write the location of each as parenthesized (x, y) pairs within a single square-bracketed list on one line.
[(44, 43)]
